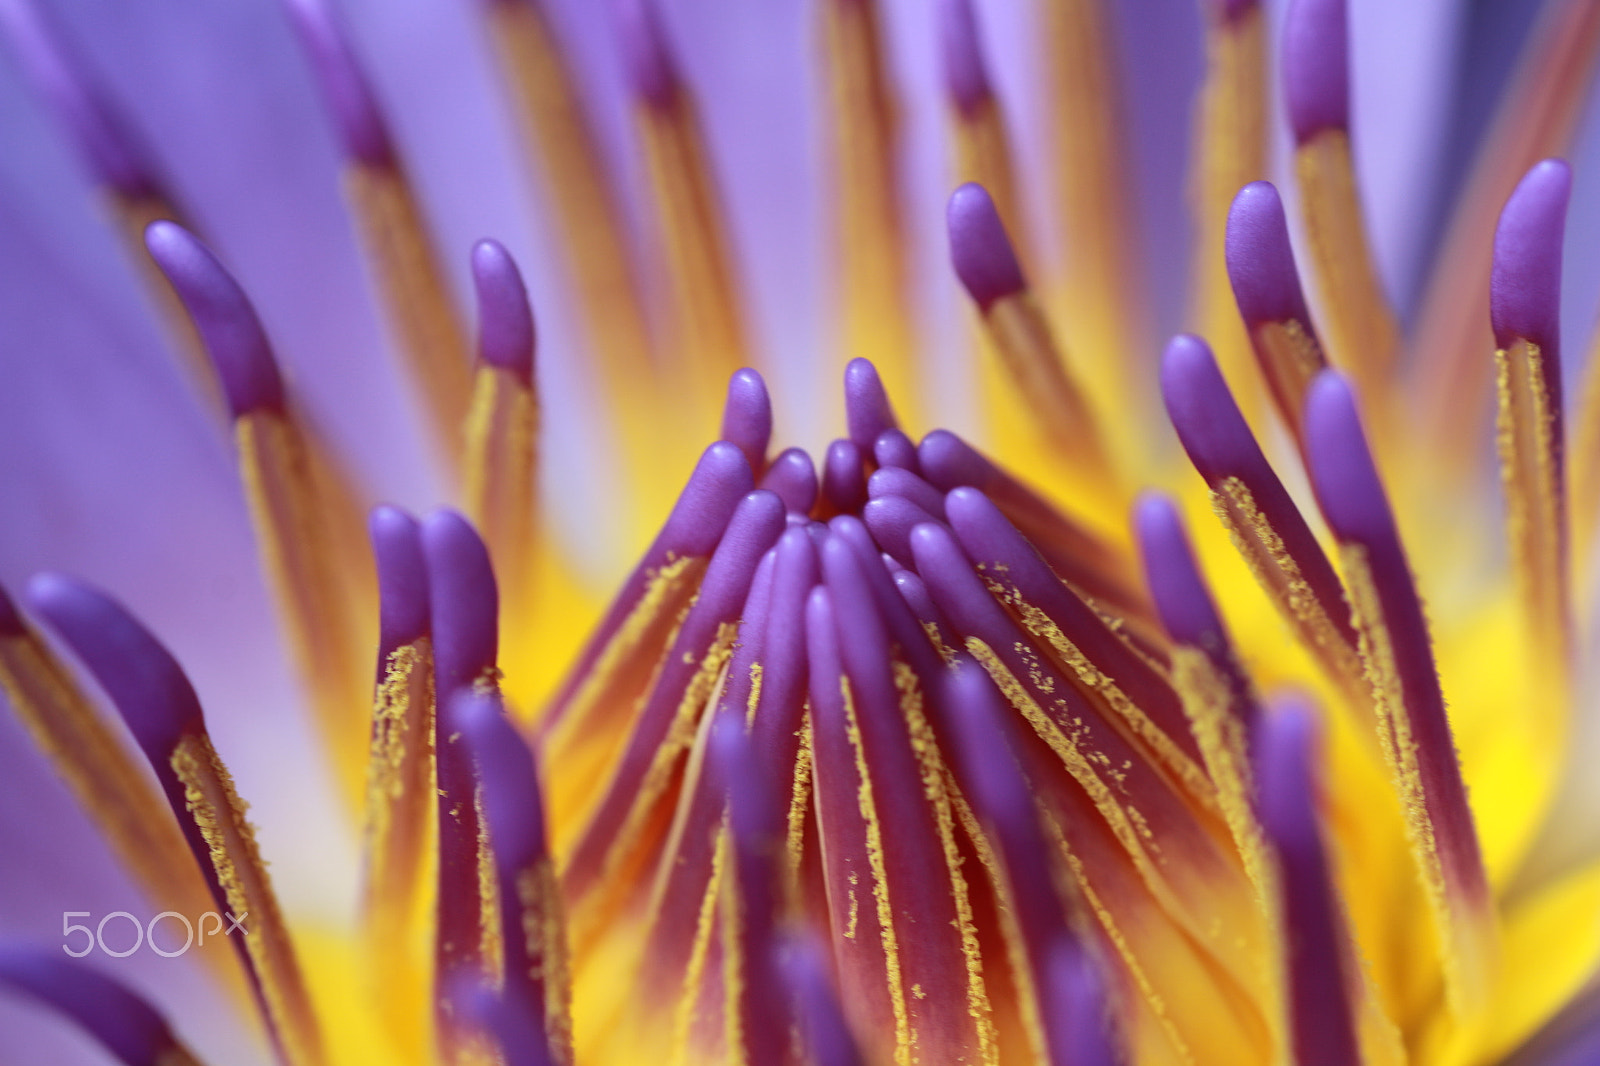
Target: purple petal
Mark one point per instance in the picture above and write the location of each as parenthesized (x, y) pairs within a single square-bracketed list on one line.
[(1316, 67), (747, 417), (1260, 260), (1525, 282), (464, 604), (866, 404), (223, 315), (506, 332), (344, 86), (403, 608), (980, 250)]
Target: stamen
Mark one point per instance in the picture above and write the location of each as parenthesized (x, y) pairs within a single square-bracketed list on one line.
[(755, 1019), (894, 449), (1267, 287), (589, 719), (1033, 915), (121, 1020), (621, 831), (793, 477), (306, 524), (818, 1017), (1537, 116), (867, 412), (1320, 969), (844, 477), (747, 417), (897, 481), (115, 157), (1082, 558), (705, 299), (532, 925), (1525, 310), (162, 712), (1081, 1031), (410, 281), (1120, 682), (1414, 728), (872, 277), (904, 942), (685, 874), (399, 831), (101, 773), (1266, 526), (987, 265), (463, 606), (1359, 326), (983, 146), (1217, 695), (502, 428), (891, 520), (585, 214), (508, 1026), (1097, 309), (1228, 151)]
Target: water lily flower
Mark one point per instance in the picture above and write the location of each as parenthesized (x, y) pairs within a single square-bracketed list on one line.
[(1052, 740)]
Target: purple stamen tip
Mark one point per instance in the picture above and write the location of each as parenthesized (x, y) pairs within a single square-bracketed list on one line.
[(1180, 594), (805, 972), (980, 250), (1201, 408), (720, 479), (1284, 759), (978, 715), (106, 141), (747, 416), (132, 1030), (223, 315), (403, 610), (464, 601), (866, 404), (506, 773), (894, 449), (644, 48), (1260, 259), (506, 333), (1343, 475), (1316, 67), (890, 520), (844, 479), (508, 1020), (1525, 284), (344, 86), (142, 678), (964, 71), (793, 477), (1079, 1023)]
